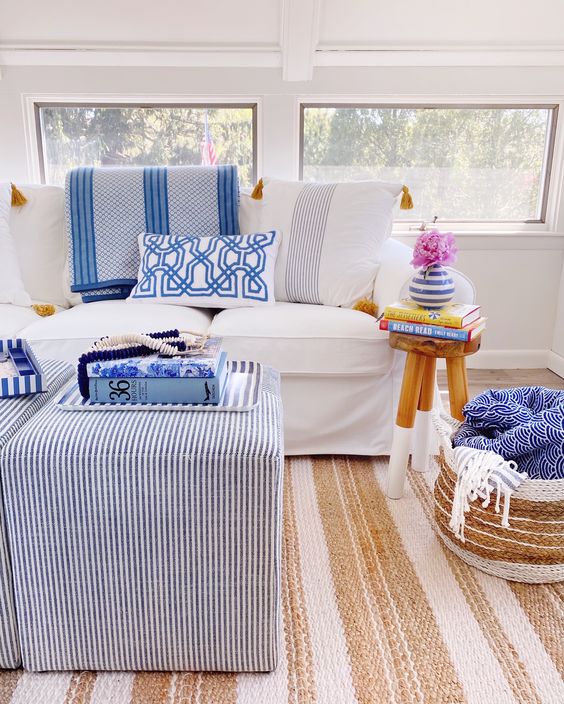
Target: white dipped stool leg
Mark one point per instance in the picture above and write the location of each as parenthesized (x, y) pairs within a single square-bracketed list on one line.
[(407, 407), (399, 456), (421, 442)]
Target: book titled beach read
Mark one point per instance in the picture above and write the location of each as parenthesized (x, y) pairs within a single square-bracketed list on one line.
[(144, 389), (453, 315), (466, 334)]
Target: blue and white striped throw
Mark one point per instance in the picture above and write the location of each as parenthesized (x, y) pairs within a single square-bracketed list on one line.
[(108, 208), (14, 414)]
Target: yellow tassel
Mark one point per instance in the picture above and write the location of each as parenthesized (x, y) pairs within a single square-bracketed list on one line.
[(365, 305), (44, 310), (406, 199), (18, 198), (257, 190)]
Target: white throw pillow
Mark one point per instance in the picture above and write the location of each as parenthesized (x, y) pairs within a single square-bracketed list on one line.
[(12, 288), (38, 229), (250, 212), (207, 272), (332, 237)]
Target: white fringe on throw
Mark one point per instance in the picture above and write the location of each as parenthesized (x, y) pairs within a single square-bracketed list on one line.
[(479, 473)]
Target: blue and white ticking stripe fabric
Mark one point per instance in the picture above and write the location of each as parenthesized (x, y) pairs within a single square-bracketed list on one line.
[(525, 424), (307, 233), (148, 541), (107, 208), (432, 288), (209, 272), (14, 414)]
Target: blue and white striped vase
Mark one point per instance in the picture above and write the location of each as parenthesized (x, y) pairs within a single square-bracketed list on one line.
[(432, 288)]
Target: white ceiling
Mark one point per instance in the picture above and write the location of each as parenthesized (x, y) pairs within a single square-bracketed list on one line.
[(375, 23), (141, 22), (294, 34)]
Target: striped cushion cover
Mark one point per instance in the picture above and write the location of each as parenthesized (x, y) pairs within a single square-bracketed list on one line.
[(14, 413), (332, 234), (153, 541)]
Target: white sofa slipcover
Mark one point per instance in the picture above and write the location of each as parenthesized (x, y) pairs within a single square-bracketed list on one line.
[(71, 332), (340, 379), (14, 318)]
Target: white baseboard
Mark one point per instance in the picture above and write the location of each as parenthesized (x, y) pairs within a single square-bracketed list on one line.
[(556, 363), (506, 359)]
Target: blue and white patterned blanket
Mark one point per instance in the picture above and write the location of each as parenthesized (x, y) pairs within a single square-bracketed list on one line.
[(525, 424), (107, 208)]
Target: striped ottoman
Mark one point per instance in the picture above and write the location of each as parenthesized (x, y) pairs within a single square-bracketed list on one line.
[(14, 413), (148, 540)]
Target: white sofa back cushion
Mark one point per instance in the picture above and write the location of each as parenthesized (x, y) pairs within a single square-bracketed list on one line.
[(12, 289), (332, 234), (38, 229)]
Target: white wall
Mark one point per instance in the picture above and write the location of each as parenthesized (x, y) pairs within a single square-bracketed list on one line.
[(517, 275), (556, 356)]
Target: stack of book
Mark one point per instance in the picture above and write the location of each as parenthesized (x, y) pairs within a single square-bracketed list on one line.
[(455, 321), (193, 378)]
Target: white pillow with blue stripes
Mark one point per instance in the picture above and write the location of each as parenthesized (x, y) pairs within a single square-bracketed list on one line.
[(207, 272), (332, 236)]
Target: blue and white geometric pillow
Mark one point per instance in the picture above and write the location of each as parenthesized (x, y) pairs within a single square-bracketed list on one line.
[(207, 272)]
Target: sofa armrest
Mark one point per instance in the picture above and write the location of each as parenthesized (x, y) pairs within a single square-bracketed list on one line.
[(392, 280)]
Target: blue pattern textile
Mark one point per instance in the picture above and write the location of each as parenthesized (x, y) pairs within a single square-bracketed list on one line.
[(107, 208), (525, 424), (208, 271), (148, 541), (15, 412)]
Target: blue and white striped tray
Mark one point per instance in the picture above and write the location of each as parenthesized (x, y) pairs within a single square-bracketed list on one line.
[(242, 393)]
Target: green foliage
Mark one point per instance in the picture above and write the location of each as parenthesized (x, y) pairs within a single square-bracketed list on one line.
[(460, 164), (102, 136)]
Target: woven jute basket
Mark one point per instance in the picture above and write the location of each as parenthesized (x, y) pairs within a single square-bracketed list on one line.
[(530, 550)]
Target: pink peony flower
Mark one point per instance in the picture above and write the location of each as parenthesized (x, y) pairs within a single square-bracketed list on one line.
[(434, 247)]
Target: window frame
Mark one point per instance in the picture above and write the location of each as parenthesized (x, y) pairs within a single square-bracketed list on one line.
[(548, 176), (37, 104)]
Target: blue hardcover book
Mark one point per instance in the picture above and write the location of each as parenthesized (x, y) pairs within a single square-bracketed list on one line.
[(197, 364), (462, 334), (189, 390)]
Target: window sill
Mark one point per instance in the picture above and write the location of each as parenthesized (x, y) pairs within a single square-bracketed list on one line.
[(495, 239)]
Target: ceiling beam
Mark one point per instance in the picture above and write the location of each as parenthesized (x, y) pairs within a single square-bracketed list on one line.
[(300, 36), (115, 55)]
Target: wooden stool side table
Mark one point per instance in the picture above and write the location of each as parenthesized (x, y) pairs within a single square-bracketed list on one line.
[(417, 396)]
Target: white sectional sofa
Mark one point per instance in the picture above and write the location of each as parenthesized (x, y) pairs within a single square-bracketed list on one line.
[(340, 379)]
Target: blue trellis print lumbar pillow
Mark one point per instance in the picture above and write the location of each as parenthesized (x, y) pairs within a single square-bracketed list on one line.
[(208, 272)]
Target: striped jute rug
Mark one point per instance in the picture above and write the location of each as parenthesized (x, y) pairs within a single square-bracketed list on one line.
[(375, 610)]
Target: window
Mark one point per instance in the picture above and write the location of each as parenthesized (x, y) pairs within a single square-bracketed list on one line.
[(128, 135), (461, 163)]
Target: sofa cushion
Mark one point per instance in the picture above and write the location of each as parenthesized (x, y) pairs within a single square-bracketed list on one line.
[(68, 334), (306, 339), (38, 229), (15, 318)]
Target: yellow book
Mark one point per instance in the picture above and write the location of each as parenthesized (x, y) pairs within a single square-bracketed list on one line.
[(453, 315)]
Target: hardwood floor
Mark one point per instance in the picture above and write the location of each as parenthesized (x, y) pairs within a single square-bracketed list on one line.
[(481, 379)]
